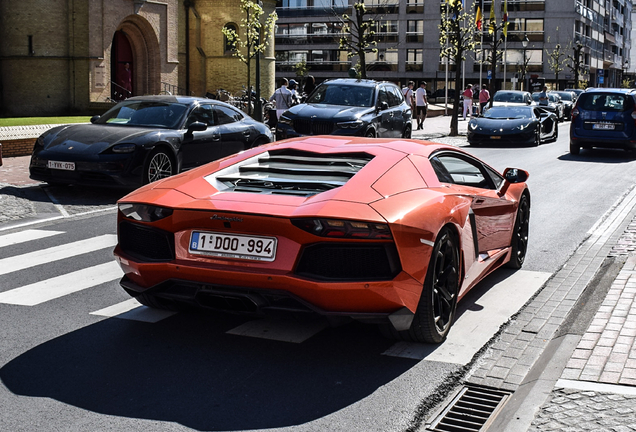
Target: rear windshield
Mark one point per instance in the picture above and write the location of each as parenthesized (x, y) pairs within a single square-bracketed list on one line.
[(605, 102)]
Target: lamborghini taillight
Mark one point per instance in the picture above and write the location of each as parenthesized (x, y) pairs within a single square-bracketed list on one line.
[(337, 228)]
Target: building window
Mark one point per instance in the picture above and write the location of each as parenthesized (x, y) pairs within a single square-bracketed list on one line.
[(414, 61), (415, 31), (228, 46)]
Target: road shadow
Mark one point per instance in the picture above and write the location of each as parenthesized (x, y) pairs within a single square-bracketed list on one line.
[(186, 369), (608, 156)]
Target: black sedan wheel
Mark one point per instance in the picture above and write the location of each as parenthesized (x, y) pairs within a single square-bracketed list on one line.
[(519, 243), (159, 166), (407, 132)]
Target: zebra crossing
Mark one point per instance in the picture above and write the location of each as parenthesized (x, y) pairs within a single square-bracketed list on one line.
[(69, 283), (470, 332)]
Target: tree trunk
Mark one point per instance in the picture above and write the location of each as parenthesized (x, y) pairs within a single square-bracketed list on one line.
[(454, 130)]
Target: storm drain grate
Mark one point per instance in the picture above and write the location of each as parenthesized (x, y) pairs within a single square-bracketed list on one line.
[(470, 409)]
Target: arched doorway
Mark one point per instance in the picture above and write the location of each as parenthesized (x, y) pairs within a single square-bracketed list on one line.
[(121, 67), (136, 43)]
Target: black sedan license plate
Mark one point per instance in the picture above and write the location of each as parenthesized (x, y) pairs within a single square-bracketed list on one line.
[(66, 166), (495, 137), (603, 126), (224, 245)]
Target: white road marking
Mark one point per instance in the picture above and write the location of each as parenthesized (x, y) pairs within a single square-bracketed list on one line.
[(56, 253), (133, 310), (477, 325), (49, 289), (280, 330), (26, 236)]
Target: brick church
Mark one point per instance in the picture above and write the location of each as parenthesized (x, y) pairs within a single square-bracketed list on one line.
[(61, 57)]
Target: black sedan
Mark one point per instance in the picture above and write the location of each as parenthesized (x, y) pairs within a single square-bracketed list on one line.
[(529, 125), (349, 107), (144, 139)]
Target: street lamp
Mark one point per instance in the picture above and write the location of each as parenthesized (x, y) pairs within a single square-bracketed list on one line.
[(258, 108), (524, 44)]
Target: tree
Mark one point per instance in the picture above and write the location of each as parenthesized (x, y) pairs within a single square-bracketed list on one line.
[(251, 44), (557, 60), (358, 31), (301, 69), (457, 36), (576, 64)]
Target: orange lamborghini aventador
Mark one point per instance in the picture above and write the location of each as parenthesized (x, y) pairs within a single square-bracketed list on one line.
[(387, 231)]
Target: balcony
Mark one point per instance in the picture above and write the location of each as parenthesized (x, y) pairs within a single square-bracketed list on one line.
[(310, 11)]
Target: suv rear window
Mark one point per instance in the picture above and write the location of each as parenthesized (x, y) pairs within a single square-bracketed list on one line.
[(605, 102)]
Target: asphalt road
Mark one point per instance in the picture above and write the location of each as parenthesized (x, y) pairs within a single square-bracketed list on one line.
[(77, 355)]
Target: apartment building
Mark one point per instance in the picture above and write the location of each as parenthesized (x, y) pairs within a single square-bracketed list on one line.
[(407, 32)]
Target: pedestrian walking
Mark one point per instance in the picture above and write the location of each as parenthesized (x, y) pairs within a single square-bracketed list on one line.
[(468, 101), (484, 97), (409, 95), (422, 104), (282, 97)]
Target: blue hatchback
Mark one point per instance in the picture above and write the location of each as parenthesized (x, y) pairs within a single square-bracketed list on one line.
[(604, 118)]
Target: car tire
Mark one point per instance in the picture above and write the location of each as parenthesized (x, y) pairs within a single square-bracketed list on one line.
[(407, 132), (159, 165), (155, 302), (519, 240), (574, 149), (556, 133), (438, 303), (370, 134)]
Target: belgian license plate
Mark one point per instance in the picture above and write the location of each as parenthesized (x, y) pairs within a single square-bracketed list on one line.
[(233, 246), (495, 137), (603, 126), (67, 166)]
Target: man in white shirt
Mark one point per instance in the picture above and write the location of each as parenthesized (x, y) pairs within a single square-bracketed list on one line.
[(409, 95), (422, 104), (283, 98)]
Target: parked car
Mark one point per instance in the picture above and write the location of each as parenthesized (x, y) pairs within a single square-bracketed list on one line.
[(386, 231), (441, 94), (554, 104), (349, 107), (605, 118), (528, 125), (568, 98), (510, 98), (144, 139), (577, 92)]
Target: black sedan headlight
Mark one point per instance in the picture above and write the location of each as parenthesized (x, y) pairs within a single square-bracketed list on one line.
[(355, 124), (285, 120), (124, 148)]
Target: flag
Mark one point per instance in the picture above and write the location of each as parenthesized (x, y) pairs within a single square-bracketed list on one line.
[(505, 19), (478, 14), (491, 27)]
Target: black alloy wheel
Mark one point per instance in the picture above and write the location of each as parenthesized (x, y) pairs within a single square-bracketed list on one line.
[(407, 132), (556, 132), (158, 166), (370, 134), (519, 241), (436, 310)]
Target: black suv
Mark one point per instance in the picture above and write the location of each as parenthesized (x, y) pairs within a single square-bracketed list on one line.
[(604, 117), (349, 107)]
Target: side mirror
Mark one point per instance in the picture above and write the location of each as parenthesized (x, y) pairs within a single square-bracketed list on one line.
[(197, 127), (95, 118), (383, 106), (515, 175), (512, 176)]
